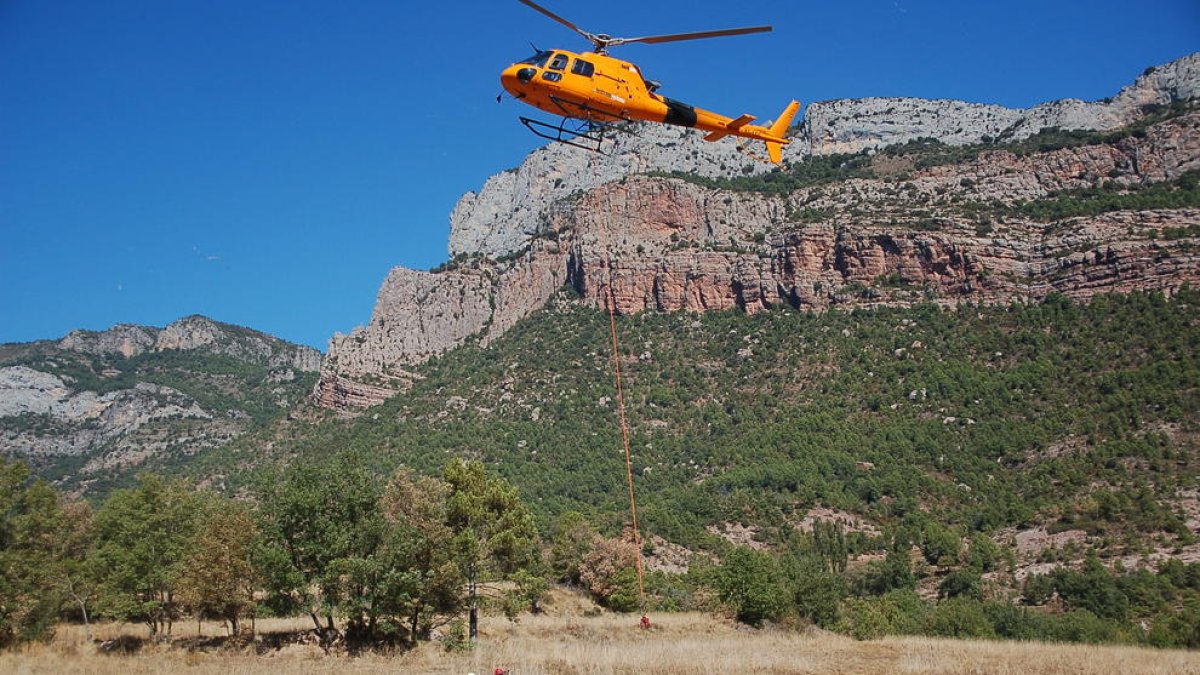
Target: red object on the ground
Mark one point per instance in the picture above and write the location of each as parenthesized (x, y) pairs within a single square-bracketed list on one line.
[(645, 622), (500, 671)]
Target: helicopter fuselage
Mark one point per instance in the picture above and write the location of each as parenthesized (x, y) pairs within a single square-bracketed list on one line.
[(597, 87)]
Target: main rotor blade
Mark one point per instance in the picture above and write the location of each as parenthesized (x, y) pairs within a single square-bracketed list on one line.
[(552, 15), (654, 39)]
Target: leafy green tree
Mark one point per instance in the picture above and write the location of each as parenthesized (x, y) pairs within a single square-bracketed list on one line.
[(1092, 588), (961, 618), (750, 583), (609, 572), (940, 545), (984, 555), (417, 546), (961, 583), (829, 541), (893, 573), (816, 591), (76, 571), (1038, 589), (1176, 630), (571, 539), (31, 524), (863, 619), (217, 578), (322, 526), (494, 534), (141, 540)]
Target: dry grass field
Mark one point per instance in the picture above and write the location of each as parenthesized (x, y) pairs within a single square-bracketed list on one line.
[(678, 644)]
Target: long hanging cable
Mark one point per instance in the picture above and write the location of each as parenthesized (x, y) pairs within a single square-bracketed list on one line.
[(611, 301)]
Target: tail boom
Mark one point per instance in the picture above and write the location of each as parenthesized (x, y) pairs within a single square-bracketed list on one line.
[(773, 135)]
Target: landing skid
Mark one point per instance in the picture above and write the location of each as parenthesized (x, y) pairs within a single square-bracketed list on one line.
[(578, 127), (583, 134)]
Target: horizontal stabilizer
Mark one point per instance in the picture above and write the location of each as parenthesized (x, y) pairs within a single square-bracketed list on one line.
[(732, 126), (740, 122)]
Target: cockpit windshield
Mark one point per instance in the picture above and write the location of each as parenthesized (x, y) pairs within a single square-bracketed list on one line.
[(539, 59)]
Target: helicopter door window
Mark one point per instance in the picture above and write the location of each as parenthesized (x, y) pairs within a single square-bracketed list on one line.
[(558, 62), (584, 68)]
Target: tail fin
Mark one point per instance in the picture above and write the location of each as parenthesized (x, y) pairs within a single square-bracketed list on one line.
[(778, 129)]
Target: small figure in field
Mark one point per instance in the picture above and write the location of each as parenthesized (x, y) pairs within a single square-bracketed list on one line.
[(645, 622)]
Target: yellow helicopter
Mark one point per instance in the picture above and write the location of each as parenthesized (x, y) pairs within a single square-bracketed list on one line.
[(592, 90)]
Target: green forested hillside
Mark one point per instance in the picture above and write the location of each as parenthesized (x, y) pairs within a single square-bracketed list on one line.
[(1073, 416)]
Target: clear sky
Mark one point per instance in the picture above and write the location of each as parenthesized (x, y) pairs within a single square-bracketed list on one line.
[(266, 162)]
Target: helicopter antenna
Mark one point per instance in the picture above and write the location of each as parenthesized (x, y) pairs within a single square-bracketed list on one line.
[(601, 41)]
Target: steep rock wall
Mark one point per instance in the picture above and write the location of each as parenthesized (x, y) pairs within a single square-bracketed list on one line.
[(674, 245), (511, 208)]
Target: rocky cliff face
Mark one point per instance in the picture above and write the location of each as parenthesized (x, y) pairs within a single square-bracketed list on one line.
[(510, 209), (898, 235), (95, 402), (850, 126)]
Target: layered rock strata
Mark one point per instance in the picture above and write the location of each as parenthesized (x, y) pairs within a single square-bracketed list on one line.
[(944, 234)]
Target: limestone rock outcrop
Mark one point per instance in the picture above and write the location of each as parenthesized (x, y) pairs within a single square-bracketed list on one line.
[(195, 333), (115, 399), (849, 126), (510, 209), (943, 233)]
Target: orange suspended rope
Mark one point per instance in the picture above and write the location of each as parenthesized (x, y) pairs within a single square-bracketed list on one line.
[(611, 301)]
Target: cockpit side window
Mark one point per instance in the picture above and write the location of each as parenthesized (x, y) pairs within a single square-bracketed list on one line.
[(581, 67), (539, 59), (558, 62)]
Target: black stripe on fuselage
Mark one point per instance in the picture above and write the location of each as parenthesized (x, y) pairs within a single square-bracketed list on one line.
[(679, 114)]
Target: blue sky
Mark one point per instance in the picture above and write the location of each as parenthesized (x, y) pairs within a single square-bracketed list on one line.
[(267, 162)]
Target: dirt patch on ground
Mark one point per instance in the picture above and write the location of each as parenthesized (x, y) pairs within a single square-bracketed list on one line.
[(1188, 502), (668, 557), (849, 521), (741, 535), (1032, 542)]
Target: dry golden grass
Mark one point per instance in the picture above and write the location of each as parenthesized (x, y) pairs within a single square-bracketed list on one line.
[(678, 644)]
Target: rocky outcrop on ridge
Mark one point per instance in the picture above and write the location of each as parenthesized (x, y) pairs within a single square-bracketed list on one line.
[(115, 399), (850, 126), (943, 233), (511, 207), (195, 333)]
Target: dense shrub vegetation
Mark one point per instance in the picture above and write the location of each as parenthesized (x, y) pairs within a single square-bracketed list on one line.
[(946, 429)]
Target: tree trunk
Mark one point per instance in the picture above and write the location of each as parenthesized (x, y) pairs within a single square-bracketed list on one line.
[(316, 620), (473, 620), (82, 606)]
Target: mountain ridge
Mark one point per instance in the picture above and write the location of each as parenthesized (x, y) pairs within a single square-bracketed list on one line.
[(97, 404), (885, 224), (506, 212)]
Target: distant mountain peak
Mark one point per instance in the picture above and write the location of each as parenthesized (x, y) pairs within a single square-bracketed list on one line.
[(194, 332)]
